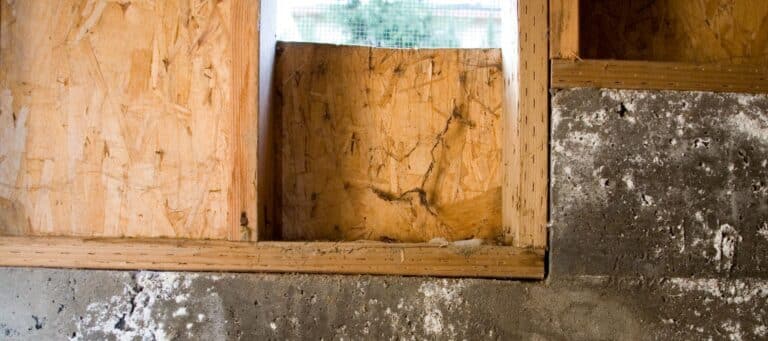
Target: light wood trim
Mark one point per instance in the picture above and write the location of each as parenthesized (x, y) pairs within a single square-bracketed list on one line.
[(659, 76), (564, 27), (243, 216), (526, 124), (315, 257), (509, 118)]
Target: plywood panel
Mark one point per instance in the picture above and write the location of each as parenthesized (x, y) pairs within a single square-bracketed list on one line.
[(125, 118), (384, 144), (701, 31)]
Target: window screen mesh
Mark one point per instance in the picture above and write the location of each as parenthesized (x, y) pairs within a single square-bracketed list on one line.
[(392, 23)]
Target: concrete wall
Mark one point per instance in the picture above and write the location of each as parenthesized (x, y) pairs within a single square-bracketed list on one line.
[(659, 230)]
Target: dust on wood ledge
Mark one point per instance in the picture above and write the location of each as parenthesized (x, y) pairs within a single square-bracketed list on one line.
[(448, 259)]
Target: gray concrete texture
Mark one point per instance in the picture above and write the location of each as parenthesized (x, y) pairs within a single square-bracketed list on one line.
[(659, 230)]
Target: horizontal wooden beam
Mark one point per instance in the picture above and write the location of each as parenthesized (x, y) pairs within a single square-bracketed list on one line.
[(659, 76), (310, 257)]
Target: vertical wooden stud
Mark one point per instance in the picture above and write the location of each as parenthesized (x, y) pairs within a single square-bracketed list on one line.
[(526, 152), (243, 216), (564, 29)]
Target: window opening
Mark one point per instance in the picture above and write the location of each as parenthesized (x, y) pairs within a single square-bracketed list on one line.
[(392, 23)]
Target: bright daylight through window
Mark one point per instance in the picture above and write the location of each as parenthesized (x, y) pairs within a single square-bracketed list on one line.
[(392, 23)]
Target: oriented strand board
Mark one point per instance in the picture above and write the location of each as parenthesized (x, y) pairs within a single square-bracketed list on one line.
[(696, 31), (127, 118), (387, 144)]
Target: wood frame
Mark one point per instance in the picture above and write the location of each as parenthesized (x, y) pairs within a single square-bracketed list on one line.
[(453, 260), (245, 66), (525, 185), (568, 70), (564, 29), (526, 156), (623, 74)]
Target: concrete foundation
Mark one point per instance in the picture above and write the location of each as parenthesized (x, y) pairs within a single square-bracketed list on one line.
[(659, 210)]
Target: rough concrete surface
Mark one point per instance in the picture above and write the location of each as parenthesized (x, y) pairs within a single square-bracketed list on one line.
[(659, 225), (660, 184)]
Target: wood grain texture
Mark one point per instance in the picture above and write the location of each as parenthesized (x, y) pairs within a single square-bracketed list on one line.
[(696, 31), (564, 29), (125, 119), (389, 144), (318, 257), (659, 75), (527, 120), (510, 116), (242, 197)]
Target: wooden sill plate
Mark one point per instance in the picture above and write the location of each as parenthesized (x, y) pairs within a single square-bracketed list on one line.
[(304, 257)]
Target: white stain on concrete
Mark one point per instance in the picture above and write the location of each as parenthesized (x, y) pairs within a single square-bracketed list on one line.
[(627, 97), (182, 311), (582, 148), (438, 296), (597, 118), (433, 322), (763, 231), (699, 216), (725, 242), (747, 99), (628, 181), (647, 200), (729, 291), (138, 313), (556, 117), (733, 330), (753, 126), (760, 331)]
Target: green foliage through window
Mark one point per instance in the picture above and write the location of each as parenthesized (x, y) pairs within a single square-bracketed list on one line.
[(393, 23)]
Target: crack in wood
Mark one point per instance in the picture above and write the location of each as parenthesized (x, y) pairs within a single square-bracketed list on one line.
[(420, 191), (363, 156)]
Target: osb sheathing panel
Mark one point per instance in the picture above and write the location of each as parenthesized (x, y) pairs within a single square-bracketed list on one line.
[(732, 31), (116, 118), (393, 145)]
